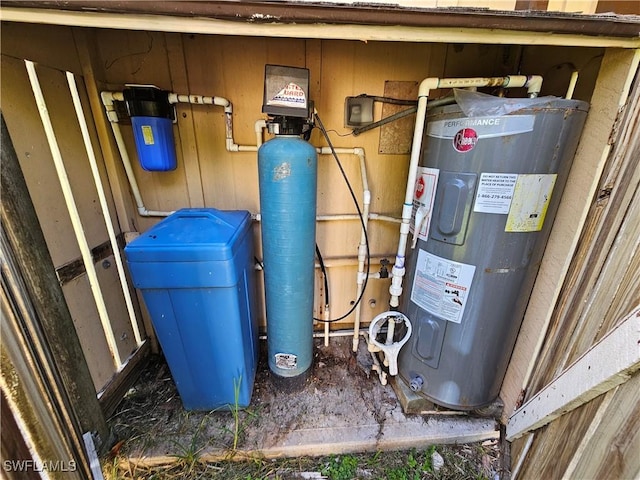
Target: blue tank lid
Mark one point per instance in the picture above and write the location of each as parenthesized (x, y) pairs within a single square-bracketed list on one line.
[(191, 235)]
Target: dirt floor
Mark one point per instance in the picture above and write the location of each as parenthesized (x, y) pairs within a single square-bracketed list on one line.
[(342, 410)]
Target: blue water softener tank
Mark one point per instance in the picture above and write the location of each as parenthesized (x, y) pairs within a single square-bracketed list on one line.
[(195, 270), (152, 121), (496, 182), (287, 168)]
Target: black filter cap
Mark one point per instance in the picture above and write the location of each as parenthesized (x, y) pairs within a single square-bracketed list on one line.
[(148, 102)]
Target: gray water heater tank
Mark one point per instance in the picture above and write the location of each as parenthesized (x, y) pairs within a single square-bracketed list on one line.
[(488, 189)]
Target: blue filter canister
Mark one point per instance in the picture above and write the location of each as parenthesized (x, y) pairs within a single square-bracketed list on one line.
[(152, 121)]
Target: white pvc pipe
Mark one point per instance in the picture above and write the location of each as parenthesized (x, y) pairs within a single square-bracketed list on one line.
[(74, 214), (572, 85), (73, 88), (533, 84)]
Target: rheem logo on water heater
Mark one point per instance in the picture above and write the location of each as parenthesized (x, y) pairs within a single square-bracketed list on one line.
[(465, 140)]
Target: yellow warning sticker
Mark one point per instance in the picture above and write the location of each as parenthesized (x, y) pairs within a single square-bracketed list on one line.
[(531, 197), (147, 134)]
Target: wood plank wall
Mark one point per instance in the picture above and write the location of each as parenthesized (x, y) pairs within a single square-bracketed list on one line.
[(602, 287), (208, 175)]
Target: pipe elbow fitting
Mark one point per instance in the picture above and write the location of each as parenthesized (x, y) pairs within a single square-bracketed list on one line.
[(107, 98), (232, 147), (534, 85), (427, 85)]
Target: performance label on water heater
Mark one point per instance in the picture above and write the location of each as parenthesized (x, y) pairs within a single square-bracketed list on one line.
[(441, 286)]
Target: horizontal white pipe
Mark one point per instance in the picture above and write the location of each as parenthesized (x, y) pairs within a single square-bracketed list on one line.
[(73, 88), (332, 333), (201, 100), (74, 215)]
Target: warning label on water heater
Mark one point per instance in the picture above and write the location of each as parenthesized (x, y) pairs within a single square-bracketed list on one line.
[(495, 191), (531, 198), (423, 199), (441, 286)]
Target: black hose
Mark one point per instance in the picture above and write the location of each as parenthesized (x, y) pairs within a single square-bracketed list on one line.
[(364, 228)]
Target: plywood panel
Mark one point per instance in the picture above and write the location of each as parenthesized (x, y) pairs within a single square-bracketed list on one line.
[(550, 445), (556, 66), (35, 159), (612, 449), (37, 164), (85, 318), (47, 45), (574, 6)]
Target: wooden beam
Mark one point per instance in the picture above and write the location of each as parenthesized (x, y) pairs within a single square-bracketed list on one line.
[(113, 392), (409, 13), (607, 364), (398, 33)]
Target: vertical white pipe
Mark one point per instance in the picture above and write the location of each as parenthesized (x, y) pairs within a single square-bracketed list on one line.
[(572, 85), (362, 248), (73, 214), (398, 270), (73, 88)]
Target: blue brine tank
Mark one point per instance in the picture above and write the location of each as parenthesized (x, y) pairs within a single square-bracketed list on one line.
[(196, 272), (288, 178)]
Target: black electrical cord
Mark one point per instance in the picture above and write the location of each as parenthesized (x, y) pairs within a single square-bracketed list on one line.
[(324, 275), (364, 228), (394, 101)]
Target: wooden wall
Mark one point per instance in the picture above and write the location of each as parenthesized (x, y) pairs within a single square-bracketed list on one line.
[(208, 175), (600, 439)]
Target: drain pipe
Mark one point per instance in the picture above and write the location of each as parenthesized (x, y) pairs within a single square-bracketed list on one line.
[(533, 84)]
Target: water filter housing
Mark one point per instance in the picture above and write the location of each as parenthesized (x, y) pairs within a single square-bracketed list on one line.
[(488, 189), (152, 121)]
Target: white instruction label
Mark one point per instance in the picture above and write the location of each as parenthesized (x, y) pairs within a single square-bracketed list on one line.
[(495, 191), (441, 286), (531, 198), (286, 361), (290, 96), (423, 199)]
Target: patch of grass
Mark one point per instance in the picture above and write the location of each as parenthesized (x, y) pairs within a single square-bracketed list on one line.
[(341, 468), (461, 462)]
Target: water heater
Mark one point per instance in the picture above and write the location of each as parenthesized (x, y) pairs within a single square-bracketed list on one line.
[(486, 195)]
